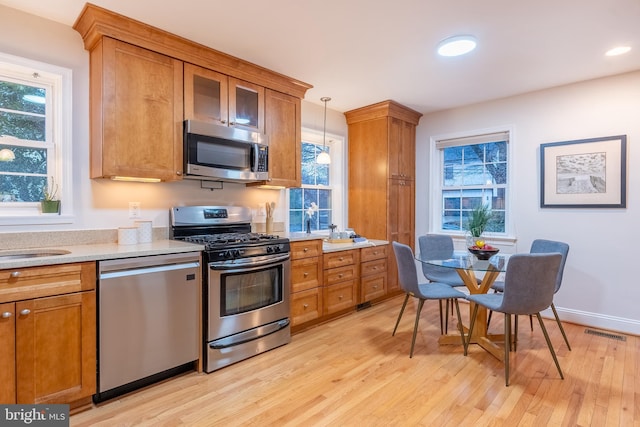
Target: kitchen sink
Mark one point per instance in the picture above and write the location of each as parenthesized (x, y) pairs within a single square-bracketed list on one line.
[(30, 253)]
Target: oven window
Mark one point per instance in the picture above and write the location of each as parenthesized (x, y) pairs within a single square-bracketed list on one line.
[(242, 292)]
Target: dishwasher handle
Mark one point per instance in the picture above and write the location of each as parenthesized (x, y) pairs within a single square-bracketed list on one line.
[(148, 270)]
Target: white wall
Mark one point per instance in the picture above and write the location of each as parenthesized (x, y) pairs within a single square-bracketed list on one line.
[(103, 204), (599, 287)]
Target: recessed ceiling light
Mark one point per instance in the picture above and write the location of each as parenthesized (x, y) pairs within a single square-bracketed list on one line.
[(457, 45), (620, 50)]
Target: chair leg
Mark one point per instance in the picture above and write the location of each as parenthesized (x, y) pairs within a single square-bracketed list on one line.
[(546, 337), (507, 346), (446, 317), (441, 319), (404, 304), (489, 318), (415, 327), (555, 313), (471, 323), (460, 328), (531, 322), (515, 334)]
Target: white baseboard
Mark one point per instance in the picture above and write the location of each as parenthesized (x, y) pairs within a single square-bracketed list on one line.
[(596, 320)]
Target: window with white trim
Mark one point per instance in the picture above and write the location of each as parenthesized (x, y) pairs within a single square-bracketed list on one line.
[(322, 185), (473, 173), (35, 132)]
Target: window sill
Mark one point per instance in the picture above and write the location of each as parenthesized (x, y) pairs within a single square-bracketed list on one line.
[(42, 219)]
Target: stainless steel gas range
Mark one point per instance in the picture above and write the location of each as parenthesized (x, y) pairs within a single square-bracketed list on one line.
[(246, 282)]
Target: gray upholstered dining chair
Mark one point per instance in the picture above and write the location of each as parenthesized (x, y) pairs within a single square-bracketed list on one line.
[(408, 278), (529, 287), (541, 246), (439, 246)]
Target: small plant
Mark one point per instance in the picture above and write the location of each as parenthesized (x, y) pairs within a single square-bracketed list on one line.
[(50, 190), (478, 220)]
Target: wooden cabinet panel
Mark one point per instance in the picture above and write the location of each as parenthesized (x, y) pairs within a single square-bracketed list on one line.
[(7, 353), (306, 306), (283, 118), (136, 114), (373, 267), (34, 282), (306, 274), (56, 345), (340, 259), (375, 252), (306, 249), (340, 296), (340, 274), (373, 286)]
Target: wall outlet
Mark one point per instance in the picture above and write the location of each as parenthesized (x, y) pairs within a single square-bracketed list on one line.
[(134, 210)]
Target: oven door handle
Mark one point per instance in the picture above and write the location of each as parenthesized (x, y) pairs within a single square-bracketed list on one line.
[(244, 264)]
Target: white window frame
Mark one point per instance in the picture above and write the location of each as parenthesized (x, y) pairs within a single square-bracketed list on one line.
[(337, 172), (435, 190), (58, 81)]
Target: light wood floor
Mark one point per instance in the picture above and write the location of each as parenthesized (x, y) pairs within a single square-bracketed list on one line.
[(352, 372)]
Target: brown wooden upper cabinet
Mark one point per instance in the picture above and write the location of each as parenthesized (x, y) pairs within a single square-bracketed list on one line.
[(216, 98), (144, 82)]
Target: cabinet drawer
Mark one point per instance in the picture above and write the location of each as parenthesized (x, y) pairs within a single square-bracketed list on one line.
[(305, 274), (377, 252), (374, 267), (340, 274), (34, 282), (339, 297), (340, 259), (306, 306), (373, 286), (306, 249)]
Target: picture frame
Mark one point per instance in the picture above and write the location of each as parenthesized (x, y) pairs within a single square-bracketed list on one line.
[(585, 173)]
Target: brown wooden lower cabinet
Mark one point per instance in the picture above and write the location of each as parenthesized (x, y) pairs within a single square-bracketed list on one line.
[(348, 278), (48, 334)]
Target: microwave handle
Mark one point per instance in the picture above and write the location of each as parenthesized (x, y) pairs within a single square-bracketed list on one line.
[(254, 157)]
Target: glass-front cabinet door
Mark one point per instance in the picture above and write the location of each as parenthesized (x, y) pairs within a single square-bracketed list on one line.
[(205, 95), (246, 105), (216, 98)]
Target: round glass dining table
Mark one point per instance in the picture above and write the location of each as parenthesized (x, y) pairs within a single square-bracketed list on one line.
[(467, 265)]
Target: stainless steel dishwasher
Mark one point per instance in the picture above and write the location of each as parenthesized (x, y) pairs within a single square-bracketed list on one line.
[(148, 320)]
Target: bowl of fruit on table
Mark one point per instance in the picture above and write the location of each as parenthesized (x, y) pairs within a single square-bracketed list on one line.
[(482, 250)]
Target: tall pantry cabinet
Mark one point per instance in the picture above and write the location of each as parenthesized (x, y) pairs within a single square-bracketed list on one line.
[(382, 175)]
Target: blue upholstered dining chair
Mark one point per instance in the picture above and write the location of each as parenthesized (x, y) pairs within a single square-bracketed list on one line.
[(541, 246), (529, 286), (439, 246), (408, 278)]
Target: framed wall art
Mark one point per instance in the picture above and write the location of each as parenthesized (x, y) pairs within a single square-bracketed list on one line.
[(586, 173)]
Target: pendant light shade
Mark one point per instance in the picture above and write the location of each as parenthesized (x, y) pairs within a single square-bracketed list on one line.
[(323, 157)]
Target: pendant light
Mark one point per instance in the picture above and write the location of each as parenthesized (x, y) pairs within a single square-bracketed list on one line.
[(323, 157)]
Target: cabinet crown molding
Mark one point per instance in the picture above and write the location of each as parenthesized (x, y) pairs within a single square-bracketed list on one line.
[(388, 108), (95, 22)]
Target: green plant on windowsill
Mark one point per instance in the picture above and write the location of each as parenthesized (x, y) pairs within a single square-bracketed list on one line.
[(478, 220), (50, 202)]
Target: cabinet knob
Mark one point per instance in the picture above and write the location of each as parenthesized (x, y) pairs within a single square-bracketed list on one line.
[(305, 274), (223, 121), (339, 276), (25, 311), (375, 267), (305, 305), (15, 274), (341, 259), (375, 286), (178, 173), (305, 250), (340, 297), (6, 314)]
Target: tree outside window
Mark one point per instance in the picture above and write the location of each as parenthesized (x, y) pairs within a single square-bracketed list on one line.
[(316, 188)]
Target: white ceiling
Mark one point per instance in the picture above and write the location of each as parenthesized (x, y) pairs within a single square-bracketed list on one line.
[(360, 52)]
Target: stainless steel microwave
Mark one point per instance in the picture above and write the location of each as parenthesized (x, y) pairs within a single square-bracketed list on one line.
[(218, 153)]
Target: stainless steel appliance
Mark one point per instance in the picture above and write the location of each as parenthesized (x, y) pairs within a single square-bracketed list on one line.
[(246, 282), (148, 321), (219, 153)]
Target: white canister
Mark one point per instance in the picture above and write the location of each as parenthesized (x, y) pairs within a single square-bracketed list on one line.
[(145, 231), (127, 235)]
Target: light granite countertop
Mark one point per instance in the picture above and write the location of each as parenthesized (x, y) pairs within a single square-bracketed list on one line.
[(96, 252), (334, 247)]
